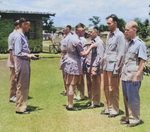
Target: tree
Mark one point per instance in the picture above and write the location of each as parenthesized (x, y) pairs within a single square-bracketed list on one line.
[(95, 20), (47, 23), (121, 24), (103, 28), (143, 28)]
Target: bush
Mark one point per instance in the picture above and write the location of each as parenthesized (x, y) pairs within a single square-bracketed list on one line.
[(4, 45), (146, 71), (35, 45), (6, 27)]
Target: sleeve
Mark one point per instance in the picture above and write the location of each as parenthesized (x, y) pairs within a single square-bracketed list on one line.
[(10, 42), (18, 47), (75, 41), (121, 47), (142, 52), (100, 53), (79, 48)]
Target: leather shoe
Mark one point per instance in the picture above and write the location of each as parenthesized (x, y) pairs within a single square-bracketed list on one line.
[(13, 99), (133, 124), (97, 106), (124, 122), (104, 112), (112, 115), (25, 112), (88, 104), (71, 109)]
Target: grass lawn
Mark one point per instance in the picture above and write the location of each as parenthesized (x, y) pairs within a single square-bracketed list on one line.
[(48, 105)]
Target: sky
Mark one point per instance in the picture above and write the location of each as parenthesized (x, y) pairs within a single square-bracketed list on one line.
[(72, 12)]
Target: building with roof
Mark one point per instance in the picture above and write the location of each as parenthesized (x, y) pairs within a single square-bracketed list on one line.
[(35, 33)]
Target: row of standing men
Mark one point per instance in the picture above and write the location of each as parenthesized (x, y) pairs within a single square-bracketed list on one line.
[(124, 58)]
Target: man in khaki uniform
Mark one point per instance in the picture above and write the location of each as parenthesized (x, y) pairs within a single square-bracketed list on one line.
[(132, 73), (22, 66), (93, 65), (67, 33), (10, 64), (113, 58)]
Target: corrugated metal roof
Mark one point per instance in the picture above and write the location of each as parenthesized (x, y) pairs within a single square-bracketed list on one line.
[(27, 12)]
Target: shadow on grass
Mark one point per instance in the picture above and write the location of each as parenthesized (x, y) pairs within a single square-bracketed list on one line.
[(82, 106), (30, 97), (123, 118), (141, 122), (86, 98), (121, 112), (34, 108)]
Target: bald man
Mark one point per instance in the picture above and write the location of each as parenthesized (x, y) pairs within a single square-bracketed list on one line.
[(132, 73)]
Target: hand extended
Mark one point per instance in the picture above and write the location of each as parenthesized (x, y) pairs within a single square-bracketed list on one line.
[(93, 45), (94, 69), (31, 56)]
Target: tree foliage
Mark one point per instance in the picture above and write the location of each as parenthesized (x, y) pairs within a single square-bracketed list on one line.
[(103, 28), (143, 28), (95, 21), (6, 27), (121, 24), (47, 24)]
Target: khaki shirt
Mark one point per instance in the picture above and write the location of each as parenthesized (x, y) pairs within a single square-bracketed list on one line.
[(115, 49), (136, 50)]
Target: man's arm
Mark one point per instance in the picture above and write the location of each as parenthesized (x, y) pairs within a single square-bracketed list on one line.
[(140, 70), (18, 49), (121, 51)]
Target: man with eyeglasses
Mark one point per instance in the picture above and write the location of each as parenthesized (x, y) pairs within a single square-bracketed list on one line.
[(113, 58), (132, 73)]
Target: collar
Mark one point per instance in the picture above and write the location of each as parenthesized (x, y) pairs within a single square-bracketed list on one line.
[(135, 39), (132, 41), (115, 32)]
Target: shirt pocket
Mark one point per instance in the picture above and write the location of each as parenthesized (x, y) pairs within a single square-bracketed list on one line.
[(113, 46), (112, 58), (132, 68)]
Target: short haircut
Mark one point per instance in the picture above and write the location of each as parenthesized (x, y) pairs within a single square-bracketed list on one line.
[(95, 30), (133, 24), (68, 26), (80, 25), (16, 23), (22, 20), (114, 17)]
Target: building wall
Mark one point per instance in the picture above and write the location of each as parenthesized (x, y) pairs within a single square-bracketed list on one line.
[(35, 44)]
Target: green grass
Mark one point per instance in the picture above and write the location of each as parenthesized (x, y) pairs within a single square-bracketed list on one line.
[(41, 55), (49, 113)]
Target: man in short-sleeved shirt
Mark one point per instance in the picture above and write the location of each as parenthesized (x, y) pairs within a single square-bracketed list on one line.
[(93, 64), (132, 73), (67, 33), (10, 64), (115, 48)]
